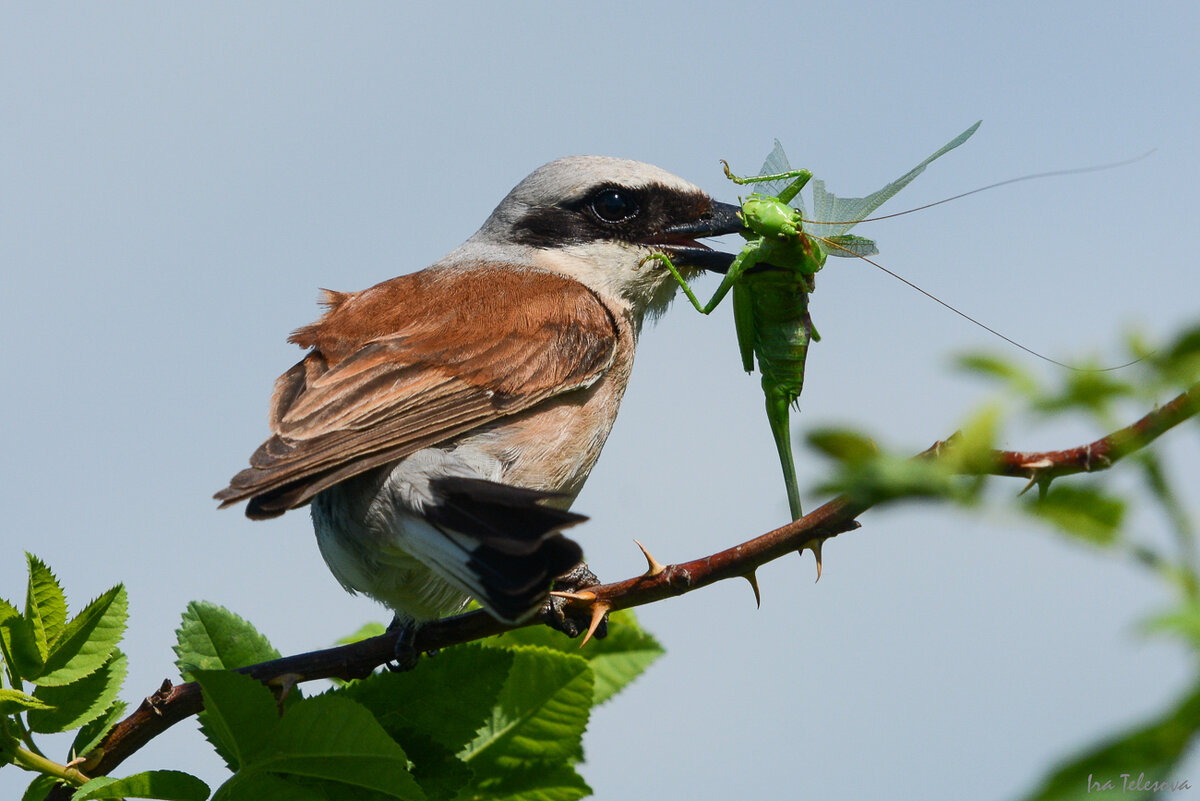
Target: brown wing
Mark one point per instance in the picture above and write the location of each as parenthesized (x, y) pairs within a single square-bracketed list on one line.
[(415, 361)]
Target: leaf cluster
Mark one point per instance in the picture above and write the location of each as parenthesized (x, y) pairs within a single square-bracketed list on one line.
[(500, 720), (1091, 509), (503, 719)]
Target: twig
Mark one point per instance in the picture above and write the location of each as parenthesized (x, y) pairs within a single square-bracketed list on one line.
[(172, 703)]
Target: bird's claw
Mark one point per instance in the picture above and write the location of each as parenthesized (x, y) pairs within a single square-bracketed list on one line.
[(559, 614)]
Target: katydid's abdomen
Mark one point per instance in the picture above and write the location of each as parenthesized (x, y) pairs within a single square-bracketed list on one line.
[(774, 327)]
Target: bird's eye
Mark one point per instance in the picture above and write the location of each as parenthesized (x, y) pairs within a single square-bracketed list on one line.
[(614, 205)]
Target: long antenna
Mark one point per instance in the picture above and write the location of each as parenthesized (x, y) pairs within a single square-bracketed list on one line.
[(966, 316), (1033, 176)]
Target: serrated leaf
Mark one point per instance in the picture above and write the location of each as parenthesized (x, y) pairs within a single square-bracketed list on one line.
[(45, 597), (19, 642), (556, 782), (541, 712), (338, 740), (170, 785), (1081, 512), (39, 788), (15, 701), (1152, 751), (616, 660), (213, 638), (87, 641), (81, 701), (239, 714), (8, 612), (33, 614), (434, 710), (91, 734), (448, 698)]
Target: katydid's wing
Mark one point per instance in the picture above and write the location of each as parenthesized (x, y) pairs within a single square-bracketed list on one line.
[(842, 214), (847, 245), (777, 164)]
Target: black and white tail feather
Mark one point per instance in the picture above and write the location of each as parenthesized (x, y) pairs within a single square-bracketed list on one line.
[(510, 542)]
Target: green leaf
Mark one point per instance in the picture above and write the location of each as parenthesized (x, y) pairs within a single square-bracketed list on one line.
[(81, 701), (93, 732), (842, 444), (19, 641), (1150, 751), (434, 710), (336, 739), (987, 365), (8, 742), (616, 660), (1183, 621), (447, 698), (172, 785), (87, 641), (557, 782), (1181, 365), (213, 638), (45, 599), (541, 712), (887, 476), (368, 630), (39, 788), (266, 787), (239, 714), (1088, 390), (1082, 512), (970, 452), (15, 701)]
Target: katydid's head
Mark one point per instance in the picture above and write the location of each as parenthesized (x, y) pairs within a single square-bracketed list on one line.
[(596, 219), (770, 218)]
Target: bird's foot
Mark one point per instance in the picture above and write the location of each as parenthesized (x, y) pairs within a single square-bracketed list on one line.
[(561, 614), (405, 656)]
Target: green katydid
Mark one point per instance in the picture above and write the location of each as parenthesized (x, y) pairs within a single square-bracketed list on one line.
[(772, 277)]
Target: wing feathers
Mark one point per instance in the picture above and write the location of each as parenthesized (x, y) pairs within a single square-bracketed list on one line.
[(415, 361)]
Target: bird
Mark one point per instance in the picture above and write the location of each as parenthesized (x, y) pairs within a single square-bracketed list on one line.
[(442, 422)]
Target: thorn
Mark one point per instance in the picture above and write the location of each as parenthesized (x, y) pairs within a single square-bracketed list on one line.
[(815, 547), (586, 595), (653, 566), (753, 579), (284, 684), (598, 612)]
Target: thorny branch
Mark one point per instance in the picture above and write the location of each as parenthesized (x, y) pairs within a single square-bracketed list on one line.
[(172, 703)]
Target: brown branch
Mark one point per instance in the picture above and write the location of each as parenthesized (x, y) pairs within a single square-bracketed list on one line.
[(171, 704), (1104, 452)]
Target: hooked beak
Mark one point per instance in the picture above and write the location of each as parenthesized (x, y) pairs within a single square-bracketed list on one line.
[(680, 240)]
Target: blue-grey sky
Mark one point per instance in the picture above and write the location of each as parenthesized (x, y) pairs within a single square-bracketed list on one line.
[(177, 180)]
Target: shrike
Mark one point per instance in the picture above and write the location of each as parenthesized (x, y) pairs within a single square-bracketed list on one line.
[(442, 422)]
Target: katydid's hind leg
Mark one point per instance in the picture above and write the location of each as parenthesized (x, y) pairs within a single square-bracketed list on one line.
[(740, 264), (801, 177), (777, 416), (758, 179)]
